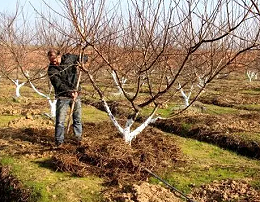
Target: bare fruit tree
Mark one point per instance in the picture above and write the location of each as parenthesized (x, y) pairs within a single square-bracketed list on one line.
[(23, 56), (19, 56), (156, 47)]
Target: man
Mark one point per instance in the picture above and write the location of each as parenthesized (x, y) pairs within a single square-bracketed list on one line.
[(63, 75)]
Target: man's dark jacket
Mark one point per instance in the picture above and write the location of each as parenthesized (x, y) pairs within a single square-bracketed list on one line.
[(64, 77)]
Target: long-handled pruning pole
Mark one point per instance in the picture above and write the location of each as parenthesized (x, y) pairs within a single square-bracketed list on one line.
[(169, 185), (77, 87), (73, 105)]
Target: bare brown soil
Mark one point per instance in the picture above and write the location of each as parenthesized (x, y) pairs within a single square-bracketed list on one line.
[(226, 190), (142, 192), (104, 153), (218, 129)]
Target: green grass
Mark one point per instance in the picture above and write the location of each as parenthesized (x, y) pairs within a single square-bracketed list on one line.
[(248, 136), (47, 185), (163, 112), (206, 163), (253, 91), (5, 119), (213, 109), (251, 107), (173, 107), (91, 114), (185, 127)]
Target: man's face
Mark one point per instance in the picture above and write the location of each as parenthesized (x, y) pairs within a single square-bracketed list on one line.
[(54, 59)]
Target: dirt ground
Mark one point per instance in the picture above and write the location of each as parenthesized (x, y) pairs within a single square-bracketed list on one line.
[(221, 130), (18, 193), (215, 128), (104, 154)]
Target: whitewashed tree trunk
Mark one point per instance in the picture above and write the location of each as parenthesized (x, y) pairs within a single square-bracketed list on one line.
[(150, 37), (53, 107), (185, 97), (18, 87), (126, 132), (251, 75), (120, 91), (202, 82), (52, 103)]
